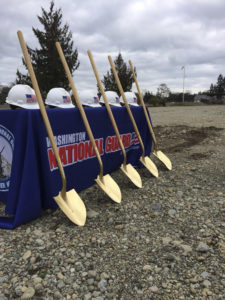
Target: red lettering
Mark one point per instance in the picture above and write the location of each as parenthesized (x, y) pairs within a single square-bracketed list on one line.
[(99, 144), (108, 144), (100, 147), (126, 140), (74, 152), (62, 154), (69, 150), (117, 145), (113, 143), (81, 151), (136, 141), (88, 149), (51, 159)]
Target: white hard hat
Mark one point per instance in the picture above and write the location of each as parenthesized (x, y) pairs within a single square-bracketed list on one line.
[(89, 98), (59, 97), (112, 98), (22, 95), (131, 98)]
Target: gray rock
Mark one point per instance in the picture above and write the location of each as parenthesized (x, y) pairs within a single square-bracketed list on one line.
[(38, 287), (60, 284), (87, 296), (3, 279), (40, 242), (18, 290), (147, 268), (28, 294), (205, 275), (102, 285), (92, 273), (57, 295), (90, 281), (186, 248), (171, 212), (202, 247), (92, 214), (154, 289), (104, 276), (26, 255), (206, 283), (156, 206), (37, 280), (166, 240)]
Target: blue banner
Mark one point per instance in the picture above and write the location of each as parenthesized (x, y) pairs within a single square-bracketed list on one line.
[(29, 176)]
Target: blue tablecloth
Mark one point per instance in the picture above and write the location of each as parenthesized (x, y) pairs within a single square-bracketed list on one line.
[(29, 177)]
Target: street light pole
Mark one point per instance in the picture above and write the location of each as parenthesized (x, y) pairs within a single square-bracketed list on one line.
[(183, 68)]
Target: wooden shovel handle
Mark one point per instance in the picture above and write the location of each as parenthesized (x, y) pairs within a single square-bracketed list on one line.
[(143, 105), (108, 106), (126, 104), (80, 107), (42, 109)]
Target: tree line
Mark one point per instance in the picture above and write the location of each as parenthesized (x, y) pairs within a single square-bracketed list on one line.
[(215, 94), (47, 64), (50, 72), (218, 89)]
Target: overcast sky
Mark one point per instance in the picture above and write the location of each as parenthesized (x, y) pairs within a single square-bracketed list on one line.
[(159, 36)]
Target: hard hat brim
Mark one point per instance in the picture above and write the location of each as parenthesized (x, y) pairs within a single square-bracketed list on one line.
[(29, 106), (94, 105), (70, 105), (115, 104), (134, 104), (26, 106)]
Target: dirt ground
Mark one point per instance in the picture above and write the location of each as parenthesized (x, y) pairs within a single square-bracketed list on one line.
[(164, 241), (195, 116), (179, 129)]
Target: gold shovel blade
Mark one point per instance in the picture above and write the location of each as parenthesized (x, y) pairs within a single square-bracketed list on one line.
[(149, 164), (72, 206), (132, 174), (110, 187), (164, 159)]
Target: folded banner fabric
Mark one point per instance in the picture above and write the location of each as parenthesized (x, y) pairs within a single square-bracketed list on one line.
[(29, 176)]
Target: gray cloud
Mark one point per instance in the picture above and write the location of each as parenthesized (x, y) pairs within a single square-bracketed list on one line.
[(158, 36)]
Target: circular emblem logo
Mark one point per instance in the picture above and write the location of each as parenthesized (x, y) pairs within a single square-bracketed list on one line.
[(6, 155)]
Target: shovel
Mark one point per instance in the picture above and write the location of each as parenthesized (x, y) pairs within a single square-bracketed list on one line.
[(145, 160), (128, 170), (159, 154), (69, 202), (106, 183)]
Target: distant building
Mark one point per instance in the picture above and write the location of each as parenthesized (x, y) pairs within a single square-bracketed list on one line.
[(206, 99)]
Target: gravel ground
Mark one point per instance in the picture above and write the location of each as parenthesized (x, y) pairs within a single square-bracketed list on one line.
[(164, 241)]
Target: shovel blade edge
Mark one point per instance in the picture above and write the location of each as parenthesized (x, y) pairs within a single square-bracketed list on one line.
[(110, 187), (72, 206), (149, 164), (132, 174), (164, 159)]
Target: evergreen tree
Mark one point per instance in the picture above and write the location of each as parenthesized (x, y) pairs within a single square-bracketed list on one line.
[(124, 73), (147, 96), (212, 90), (46, 62), (4, 93), (220, 87)]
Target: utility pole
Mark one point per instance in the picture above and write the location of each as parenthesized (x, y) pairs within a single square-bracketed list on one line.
[(183, 68)]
